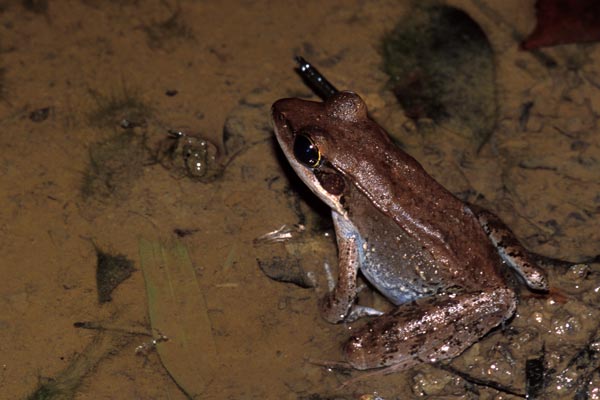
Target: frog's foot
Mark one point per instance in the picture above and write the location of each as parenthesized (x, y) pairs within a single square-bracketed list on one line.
[(511, 250), (358, 312), (346, 369), (362, 375), (429, 329), (343, 367)]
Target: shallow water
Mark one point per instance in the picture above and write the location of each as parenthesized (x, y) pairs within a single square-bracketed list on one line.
[(71, 183)]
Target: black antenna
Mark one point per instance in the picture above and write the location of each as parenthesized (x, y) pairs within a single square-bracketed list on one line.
[(314, 79)]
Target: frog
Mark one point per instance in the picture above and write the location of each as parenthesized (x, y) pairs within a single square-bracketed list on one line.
[(440, 261)]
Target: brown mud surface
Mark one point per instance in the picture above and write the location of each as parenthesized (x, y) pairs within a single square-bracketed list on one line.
[(75, 177)]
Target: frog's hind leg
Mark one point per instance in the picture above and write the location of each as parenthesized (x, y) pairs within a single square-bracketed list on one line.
[(511, 250), (429, 329)]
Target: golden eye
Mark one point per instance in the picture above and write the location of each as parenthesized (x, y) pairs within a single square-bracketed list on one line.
[(306, 151)]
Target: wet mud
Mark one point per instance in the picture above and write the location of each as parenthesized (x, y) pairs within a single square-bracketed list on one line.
[(90, 95)]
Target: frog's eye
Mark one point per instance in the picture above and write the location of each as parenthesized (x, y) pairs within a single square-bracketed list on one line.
[(306, 151)]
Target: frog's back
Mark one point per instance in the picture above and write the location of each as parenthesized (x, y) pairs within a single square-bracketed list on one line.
[(438, 222)]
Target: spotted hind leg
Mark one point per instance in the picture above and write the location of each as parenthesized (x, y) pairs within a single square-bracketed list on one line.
[(429, 329), (511, 250)]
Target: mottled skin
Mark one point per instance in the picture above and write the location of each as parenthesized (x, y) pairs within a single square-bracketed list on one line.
[(419, 245)]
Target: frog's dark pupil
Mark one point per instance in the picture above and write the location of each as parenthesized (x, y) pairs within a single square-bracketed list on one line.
[(306, 152)]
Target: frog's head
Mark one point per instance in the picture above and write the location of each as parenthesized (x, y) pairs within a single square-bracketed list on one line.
[(315, 137)]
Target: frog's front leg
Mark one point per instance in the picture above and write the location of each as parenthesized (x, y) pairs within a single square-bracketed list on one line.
[(429, 329), (511, 250), (337, 304)]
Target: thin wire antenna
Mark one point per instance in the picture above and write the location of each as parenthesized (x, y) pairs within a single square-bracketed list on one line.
[(314, 79)]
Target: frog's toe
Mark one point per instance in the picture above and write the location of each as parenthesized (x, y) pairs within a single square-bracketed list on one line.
[(358, 312)]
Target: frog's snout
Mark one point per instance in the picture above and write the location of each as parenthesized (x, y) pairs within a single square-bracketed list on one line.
[(277, 114), (278, 108)]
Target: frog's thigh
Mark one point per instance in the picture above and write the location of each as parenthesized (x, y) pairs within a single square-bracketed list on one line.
[(337, 304), (429, 329), (511, 251)]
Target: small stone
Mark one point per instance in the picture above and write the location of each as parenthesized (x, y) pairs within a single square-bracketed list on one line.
[(40, 114), (578, 272)]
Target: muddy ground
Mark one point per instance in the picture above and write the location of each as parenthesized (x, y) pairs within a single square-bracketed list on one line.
[(88, 91)]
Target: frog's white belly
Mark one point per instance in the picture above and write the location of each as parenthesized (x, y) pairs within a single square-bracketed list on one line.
[(390, 263)]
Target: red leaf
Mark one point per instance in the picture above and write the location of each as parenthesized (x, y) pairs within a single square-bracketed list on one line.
[(564, 21)]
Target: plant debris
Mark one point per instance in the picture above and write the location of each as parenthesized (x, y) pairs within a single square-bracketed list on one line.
[(535, 375), (114, 165), (124, 104), (36, 6), (111, 271), (440, 65), (488, 383), (564, 21), (182, 232), (176, 304), (40, 114), (162, 34), (64, 386)]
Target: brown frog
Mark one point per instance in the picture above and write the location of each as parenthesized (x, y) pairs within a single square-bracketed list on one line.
[(438, 259)]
